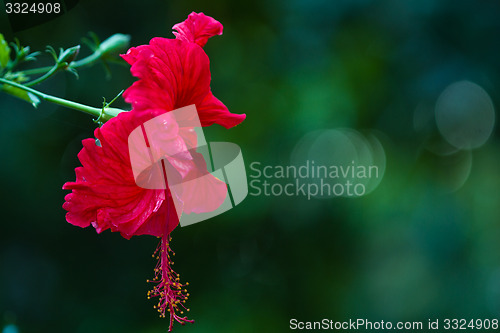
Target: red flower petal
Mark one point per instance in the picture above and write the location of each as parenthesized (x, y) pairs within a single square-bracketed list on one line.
[(213, 111), (197, 28), (173, 74), (105, 193)]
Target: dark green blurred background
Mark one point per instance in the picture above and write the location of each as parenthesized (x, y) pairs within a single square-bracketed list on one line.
[(424, 244)]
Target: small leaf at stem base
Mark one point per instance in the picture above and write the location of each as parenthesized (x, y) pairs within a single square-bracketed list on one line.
[(19, 93)]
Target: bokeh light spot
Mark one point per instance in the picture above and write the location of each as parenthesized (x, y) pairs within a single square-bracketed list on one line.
[(465, 115), (359, 159)]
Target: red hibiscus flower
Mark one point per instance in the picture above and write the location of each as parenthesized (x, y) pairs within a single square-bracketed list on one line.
[(172, 74)]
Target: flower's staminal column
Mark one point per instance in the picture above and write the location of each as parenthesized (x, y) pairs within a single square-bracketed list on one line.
[(171, 293)]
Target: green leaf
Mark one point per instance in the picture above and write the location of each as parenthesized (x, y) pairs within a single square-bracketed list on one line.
[(34, 100), (4, 52), (19, 93)]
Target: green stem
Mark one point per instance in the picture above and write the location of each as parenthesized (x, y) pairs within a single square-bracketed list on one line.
[(42, 78), (38, 70), (87, 60), (75, 64), (104, 115)]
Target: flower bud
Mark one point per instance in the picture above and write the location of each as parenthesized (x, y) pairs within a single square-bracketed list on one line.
[(69, 55), (118, 43)]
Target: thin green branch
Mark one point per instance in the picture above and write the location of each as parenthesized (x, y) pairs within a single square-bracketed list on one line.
[(44, 77), (104, 114), (87, 61)]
